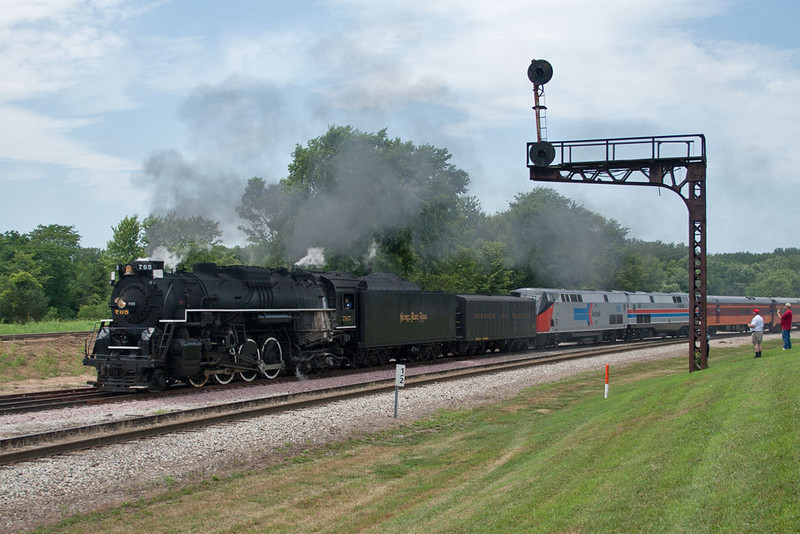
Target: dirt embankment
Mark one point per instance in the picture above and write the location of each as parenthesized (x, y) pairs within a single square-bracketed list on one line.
[(43, 363)]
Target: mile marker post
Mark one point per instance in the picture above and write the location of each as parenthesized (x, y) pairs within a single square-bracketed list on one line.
[(606, 381), (399, 381)]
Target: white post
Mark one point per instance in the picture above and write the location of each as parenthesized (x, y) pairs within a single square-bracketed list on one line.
[(399, 381)]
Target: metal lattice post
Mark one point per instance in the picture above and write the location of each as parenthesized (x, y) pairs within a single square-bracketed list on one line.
[(698, 334)]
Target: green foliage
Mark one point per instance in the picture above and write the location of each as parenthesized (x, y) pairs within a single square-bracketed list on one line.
[(24, 299), (127, 243), (96, 311), (479, 269), (766, 275), (11, 244), (348, 190), (181, 241), (55, 248), (92, 278), (269, 210), (558, 243), (65, 275), (173, 232), (397, 253), (211, 254)]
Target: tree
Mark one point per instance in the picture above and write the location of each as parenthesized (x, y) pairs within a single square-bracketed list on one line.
[(92, 284), (397, 253), (127, 243), (24, 299), (181, 241), (348, 190), (177, 233), (56, 247), (727, 276), (776, 279), (11, 244), (633, 274), (210, 254), (554, 242), (270, 210)]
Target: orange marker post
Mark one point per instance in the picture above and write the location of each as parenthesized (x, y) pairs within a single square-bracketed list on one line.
[(606, 381)]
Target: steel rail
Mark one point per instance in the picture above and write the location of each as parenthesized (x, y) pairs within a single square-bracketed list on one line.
[(42, 335), (54, 399)]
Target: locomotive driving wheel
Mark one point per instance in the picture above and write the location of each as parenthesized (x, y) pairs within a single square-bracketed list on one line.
[(224, 378), (199, 380), (248, 356), (271, 354)]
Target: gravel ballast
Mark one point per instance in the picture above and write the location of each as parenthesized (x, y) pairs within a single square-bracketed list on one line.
[(38, 493)]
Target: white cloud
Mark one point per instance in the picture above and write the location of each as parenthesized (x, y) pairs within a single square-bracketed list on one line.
[(31, 137)]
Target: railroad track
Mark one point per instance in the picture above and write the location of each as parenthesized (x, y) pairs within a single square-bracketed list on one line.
[(61, 441), (48, 400), (45, 335), (67, 398)]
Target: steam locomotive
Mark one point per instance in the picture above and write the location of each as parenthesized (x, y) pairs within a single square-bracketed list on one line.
[(223, 323)]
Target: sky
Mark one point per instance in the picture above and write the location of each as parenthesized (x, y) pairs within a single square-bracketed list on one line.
[(111, 108)]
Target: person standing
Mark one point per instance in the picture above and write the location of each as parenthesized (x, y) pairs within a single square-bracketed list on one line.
[(757, 332), (786, 326)]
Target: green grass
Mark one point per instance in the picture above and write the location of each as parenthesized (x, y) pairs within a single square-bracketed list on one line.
[(47, 327), (669, 451)]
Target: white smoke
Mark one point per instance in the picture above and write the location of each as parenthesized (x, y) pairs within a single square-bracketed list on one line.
[(170, 260), (371, 254), (315, 257)]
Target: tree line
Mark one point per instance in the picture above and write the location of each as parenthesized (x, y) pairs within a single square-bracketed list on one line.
[(368, 203)]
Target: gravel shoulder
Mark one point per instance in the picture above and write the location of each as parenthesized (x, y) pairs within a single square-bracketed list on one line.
[(96, 479)]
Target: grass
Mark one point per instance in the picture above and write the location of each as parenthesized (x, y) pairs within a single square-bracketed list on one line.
[(668, 451), (47, 327)]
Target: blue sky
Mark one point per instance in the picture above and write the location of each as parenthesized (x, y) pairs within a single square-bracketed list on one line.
[(110, 108)]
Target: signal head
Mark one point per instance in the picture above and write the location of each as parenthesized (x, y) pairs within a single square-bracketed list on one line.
[(541, 154), (540, 71)]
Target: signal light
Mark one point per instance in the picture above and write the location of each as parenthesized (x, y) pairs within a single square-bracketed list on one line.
[(542, 153), (540, 71)]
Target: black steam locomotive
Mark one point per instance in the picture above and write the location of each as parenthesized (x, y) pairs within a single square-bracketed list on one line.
[(241, 322)]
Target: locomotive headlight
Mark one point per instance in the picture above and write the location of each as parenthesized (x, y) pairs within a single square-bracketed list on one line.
[(147, 333), (120, 302)]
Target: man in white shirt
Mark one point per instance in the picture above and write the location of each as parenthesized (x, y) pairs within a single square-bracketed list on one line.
[(757, 332)]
